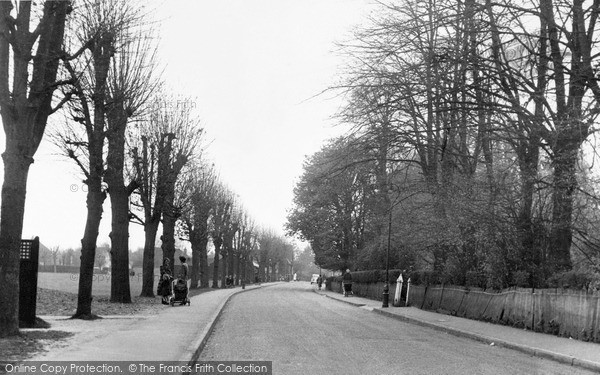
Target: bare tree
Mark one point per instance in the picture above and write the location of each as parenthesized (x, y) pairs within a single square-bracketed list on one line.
[(131, 82), (25, 107), (275, 254), (245, 245), (228, 249), (150, 163), (478, 95), (186, 145), (412, 104), (89, 53), (566, 94), (195, 220), (55, 251), (220, 218)]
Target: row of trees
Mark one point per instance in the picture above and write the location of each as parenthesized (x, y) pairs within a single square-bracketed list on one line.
[(57, 256), (94, 63), (468, 122), (208, 211)]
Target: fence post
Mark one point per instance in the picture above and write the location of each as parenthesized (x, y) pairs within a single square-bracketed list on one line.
[(398, 294), (407, 291), (533, 309)]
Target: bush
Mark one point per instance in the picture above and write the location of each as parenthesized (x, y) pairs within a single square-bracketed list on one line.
[(521, 279), (368, 277), (480, 279), (453, 273), (374, 276), (494, 281), (476, 279), (425, 278), (574, 280)]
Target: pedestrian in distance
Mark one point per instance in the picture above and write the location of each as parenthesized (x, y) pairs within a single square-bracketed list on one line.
[(184, 271), (347, 283), (320, 281)]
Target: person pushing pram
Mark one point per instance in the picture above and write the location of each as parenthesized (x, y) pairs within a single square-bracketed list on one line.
[(347, 283), (180, 286)]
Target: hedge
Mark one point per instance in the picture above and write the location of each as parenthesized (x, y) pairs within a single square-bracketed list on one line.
[(366, 277), (576, 280)]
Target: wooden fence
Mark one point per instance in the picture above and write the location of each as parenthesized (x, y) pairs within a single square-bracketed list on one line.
[(562, 312)]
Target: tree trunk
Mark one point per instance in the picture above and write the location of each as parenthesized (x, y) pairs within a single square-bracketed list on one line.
[(199, 240), (203, 260), (119, 203), (150, 230), (16, 169), (563, 189), (262, 270), (530, 255), (95, 199), (195, 242), (119, 238), (224, 270), (169, 218), (231, 266), (168, 236), (238, 267), (217, 242), (243, 270)]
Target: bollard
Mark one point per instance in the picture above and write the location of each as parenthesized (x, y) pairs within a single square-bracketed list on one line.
[(397, 295), (407, 291)]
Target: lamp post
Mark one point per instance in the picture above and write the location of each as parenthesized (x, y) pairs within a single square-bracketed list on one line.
[(386, 287)]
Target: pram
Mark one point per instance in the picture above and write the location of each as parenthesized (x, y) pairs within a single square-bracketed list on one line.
[(348, 290), (180, 293)]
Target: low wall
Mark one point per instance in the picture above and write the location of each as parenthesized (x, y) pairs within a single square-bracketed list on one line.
[(561, 312)]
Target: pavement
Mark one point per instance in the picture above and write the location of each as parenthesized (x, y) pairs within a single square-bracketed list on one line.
[(176, 334), (179, 333), (561, 349)]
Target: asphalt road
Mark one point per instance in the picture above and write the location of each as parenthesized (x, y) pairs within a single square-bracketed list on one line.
[(306, 333)]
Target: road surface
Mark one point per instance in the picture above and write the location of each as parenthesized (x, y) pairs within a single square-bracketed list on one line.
[(303, 332)]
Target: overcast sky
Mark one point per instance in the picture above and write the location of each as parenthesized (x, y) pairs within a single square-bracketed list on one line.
[(252, 68)]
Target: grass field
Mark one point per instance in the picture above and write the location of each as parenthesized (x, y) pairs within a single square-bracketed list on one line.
[(69, 282)]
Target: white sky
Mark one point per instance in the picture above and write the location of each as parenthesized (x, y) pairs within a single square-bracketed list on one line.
[(253, 66)]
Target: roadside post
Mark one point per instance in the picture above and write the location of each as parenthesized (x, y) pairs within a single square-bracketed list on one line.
[(28, 277), (398, 294)]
